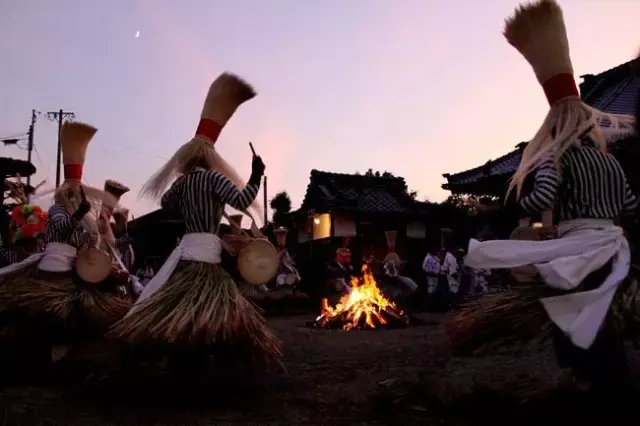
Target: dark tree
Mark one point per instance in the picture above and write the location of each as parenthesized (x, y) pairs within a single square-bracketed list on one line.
[(389, 175), (281, 205)]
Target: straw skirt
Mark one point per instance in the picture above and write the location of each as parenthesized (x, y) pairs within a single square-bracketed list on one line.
[(200, 306), (62, 297), (517, 318)]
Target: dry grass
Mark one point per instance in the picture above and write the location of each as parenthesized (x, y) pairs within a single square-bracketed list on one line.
[(386, 377)]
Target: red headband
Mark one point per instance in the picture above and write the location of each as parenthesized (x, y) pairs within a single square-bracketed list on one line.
[(559, 87), (209, 129), (73, 172)]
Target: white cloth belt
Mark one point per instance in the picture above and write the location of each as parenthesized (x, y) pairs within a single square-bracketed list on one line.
[(58, 257), (15, 267), (582, 247), (197, 247)]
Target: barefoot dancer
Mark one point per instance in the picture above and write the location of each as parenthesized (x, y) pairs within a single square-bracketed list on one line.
[(587, 190), (192, 302)]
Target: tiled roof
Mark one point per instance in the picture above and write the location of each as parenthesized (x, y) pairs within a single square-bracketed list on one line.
[(614, 91), (13, 167), (359, 193)]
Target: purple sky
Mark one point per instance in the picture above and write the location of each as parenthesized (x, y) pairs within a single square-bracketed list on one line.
[(416, 87)]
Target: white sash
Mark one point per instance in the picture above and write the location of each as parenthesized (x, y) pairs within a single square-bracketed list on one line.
[(58, 257), (198, 247), (15, 267), (583, 246)]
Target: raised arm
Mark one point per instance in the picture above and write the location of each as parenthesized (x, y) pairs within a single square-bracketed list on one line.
[(545, 190), (224, 189), (60, 221)]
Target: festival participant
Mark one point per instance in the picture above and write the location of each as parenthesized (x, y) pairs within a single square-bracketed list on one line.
[(288, 274), (119, 229), (587, 190), (391, 264), (449, 270), (343, 255), (431, 267), (44, 288), (192, 303)]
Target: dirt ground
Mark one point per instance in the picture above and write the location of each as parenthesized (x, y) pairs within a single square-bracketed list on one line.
[(382, 377)]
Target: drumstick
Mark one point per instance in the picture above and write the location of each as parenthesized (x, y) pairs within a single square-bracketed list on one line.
[(252, 150)]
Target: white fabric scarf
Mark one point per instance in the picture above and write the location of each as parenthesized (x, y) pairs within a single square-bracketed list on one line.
[(197, 247), (583, 246)]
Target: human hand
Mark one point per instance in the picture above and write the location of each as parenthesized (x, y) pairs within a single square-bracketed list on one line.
[(257, 166), (84, 206)]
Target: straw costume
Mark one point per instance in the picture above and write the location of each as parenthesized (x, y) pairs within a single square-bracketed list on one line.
[(43, 291), (117, 243), (192, 303), (584, 269), (405, 285), (288, 274)]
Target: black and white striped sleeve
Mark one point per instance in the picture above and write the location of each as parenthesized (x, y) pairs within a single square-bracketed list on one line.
[(60, 221), (229, 194), (630, 200), (10, 255), (545, 189)]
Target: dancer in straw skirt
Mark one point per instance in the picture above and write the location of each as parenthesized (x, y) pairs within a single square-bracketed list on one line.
[(584, 267), (192, 303), (117, 243), (43, 291)]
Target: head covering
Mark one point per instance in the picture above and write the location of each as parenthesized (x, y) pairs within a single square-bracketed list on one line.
[(537, 30), (281, 236), (74, 140), (117, 190), (27, 221), (225, 95), (391, 256)]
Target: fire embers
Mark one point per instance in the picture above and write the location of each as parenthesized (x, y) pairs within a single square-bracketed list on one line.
[(364, 307)]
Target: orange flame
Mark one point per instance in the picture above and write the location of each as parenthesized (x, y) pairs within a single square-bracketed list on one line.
[(364, 307)]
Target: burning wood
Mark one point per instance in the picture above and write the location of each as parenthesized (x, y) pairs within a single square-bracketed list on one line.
[(365, 307)]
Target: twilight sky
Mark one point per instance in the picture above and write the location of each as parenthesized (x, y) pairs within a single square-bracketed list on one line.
[(416, 87)]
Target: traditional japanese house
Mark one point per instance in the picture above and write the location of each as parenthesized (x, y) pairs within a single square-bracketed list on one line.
[(361, 207), (614, 91)]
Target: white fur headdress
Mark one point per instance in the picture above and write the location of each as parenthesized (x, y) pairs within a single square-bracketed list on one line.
[(537, 30), (225, 95)]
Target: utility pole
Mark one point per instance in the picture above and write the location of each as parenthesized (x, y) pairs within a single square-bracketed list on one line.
[(266, 207), (30, 145), (60, 115)]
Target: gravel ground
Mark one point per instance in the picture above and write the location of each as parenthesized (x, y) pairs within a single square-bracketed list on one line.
[(382, 377)]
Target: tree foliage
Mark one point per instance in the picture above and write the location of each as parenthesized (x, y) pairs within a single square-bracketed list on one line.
[(281, 205), (386, 174)]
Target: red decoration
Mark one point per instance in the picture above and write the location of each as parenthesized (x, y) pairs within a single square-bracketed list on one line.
[(343, 256), (559, 87), (209, 129), (27, 221), (73, 172)]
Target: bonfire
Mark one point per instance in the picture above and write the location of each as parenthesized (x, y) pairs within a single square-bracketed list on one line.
[(365, 307)]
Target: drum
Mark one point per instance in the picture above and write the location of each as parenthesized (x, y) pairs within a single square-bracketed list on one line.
[(258, 261), (93, 265)]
